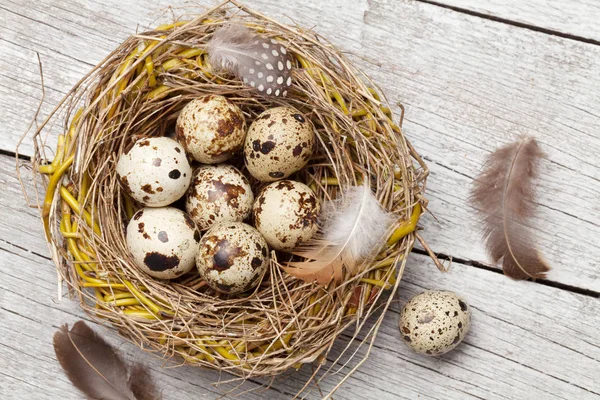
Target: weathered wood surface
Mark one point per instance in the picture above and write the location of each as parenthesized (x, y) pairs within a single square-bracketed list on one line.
[(466, 92), (527, 339), (573, 18), (469, 85)]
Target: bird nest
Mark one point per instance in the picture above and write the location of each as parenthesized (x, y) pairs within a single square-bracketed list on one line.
[(137, 91)]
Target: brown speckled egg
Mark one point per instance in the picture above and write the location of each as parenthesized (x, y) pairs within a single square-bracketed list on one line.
[(211, 129), (279, 142), (218, 194), (163, 241), (434, 322), (286, 214), (232, 257), (155, 171)]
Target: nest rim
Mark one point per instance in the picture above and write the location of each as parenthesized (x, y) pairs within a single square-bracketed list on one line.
[(186, 320)]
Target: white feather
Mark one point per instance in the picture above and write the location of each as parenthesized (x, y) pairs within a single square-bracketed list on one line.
[(231, 48), (356, 222), (353, 228)]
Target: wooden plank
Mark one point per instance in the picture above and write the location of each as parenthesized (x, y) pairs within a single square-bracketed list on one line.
[(466, 93), (71, 37), (527, 339), (32, 314), (488, 365), (577, 18), (486, 90), (515, 348)]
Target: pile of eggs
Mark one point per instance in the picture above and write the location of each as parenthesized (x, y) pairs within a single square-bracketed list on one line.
[(226, 231)]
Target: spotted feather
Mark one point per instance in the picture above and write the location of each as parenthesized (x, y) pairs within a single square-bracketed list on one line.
[(263, 63)]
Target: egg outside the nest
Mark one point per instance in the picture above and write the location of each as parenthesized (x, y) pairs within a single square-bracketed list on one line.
[(155, 171), (286, 213), (232, 257), (211, 128), (218, 193), (434, 322), (279, 142), (163, 241)]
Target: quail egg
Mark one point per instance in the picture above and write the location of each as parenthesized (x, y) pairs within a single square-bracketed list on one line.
[(286, 214), (218, 193), (211, 128), (279, 142), (232, 257), (434, 322), (163, 241), (155, 171)]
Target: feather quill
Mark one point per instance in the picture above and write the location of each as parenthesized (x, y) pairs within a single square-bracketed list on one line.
[(262, 63), (95, 367), (352, 228), (504, 195)]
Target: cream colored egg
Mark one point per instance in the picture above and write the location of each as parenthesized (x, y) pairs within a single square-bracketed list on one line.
[(218, 193), (163, 241), (434, 322), (286, 214), (212, 129), (279, 142), (155, 171), (232, 257)]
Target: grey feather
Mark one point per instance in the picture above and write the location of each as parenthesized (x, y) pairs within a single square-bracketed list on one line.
[(95, 367), (263, 63), (505, 197)]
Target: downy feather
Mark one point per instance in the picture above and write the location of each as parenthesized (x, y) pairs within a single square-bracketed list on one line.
[(95, 367), (352, 228), (262, 63), (504, 196)]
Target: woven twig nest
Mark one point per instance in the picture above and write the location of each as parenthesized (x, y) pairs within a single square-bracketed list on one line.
[(137, 91)]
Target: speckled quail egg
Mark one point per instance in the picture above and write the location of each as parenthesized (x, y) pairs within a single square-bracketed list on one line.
[(218, 193), (286, 214), (232, 257), (211, 128), (163, 241), (434, 322), (155, 171), (279, 142)]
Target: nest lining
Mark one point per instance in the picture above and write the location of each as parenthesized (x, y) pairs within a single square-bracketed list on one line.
[(136, 92)]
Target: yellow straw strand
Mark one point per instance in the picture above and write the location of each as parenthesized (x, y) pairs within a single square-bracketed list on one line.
[(56, 177), (406, 227), (60, 151), (157, 92), (46, 169), (153, 307), (166, 27), (375, 282), (68, 197)]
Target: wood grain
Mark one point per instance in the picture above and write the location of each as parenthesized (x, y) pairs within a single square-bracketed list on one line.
[(466, 93), (574, 18), (70, 37), (469, 92), (469, 85), (527, 339)]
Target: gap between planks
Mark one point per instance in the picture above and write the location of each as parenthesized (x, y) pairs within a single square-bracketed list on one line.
[(503, 357), (511, 22), (477, 264), (443, 256)]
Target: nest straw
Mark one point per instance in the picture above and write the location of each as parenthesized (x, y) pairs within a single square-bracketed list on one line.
[(137, 91)]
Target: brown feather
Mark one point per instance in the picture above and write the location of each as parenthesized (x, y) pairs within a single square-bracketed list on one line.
[(323, 272), (95, 367), (141, 383), (504, 195)]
